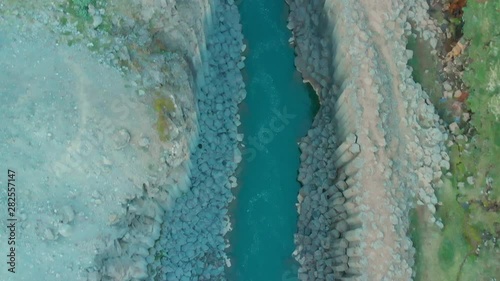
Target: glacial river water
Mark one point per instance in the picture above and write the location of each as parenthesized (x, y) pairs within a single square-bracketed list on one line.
[(276, 113)]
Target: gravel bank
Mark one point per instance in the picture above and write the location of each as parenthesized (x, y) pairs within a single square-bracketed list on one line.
[(376, 146)]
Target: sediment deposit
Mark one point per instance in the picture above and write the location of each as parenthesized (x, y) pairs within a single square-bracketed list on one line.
[(376, 146)]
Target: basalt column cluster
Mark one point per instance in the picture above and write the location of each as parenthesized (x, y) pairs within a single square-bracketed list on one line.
[(326, 228), (375, 147), (192, 243)]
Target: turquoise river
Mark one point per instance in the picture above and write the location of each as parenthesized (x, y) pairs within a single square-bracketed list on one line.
[(277, 112)]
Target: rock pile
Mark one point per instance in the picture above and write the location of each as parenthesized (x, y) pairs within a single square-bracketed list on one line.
[(376, 145)]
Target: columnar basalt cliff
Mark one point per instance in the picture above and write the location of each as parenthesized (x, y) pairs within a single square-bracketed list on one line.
[(376, 145)]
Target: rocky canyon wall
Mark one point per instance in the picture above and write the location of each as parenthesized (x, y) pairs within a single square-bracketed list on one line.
[(376, 146), (146, 94), (189, 241)]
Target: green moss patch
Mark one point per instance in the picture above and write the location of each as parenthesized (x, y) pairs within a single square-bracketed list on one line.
[(162, 106), (80, 8)]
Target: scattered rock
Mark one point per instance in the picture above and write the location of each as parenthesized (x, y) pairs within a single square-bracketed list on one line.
[(144, 142), (433, 43), (48, 234), (454, 128), (97, 20), (121, 138), (65, 230), (68, 214), (447, 86)]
